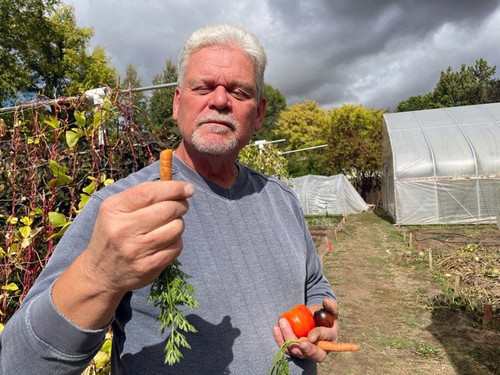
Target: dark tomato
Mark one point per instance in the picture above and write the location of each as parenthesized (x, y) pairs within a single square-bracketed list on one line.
[(301, 320), (323, 318)]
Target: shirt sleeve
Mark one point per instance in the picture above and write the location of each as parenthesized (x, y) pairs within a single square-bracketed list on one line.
[(38, 339), (317, 285)]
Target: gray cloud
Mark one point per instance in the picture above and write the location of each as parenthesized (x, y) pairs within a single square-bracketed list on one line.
[(370, 52)]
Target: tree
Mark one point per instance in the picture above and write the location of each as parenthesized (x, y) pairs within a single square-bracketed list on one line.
[(43, 50), (470, 85), (276, 103), (416, 103), (23, 24), (137, 100), (265, 159), (354, 140), (302, 125), (161, 102)]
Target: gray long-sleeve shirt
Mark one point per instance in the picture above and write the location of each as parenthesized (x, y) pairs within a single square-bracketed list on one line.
[(250, 257)]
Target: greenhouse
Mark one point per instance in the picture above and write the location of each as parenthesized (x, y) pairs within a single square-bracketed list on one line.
[(323, 195), (442, 166)]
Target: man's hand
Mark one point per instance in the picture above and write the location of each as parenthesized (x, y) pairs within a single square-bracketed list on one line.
[(136, 235), (306, 348)]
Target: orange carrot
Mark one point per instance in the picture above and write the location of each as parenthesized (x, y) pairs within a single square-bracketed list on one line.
[(337, 346), (166, 165)]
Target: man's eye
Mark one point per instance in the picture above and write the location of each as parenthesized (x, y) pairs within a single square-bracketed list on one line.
[(203, 89), (240, 94)]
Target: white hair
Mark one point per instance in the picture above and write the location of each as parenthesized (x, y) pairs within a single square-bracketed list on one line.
[(225, 34)]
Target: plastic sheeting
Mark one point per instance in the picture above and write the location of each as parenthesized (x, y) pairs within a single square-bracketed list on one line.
[(320, 195), (442, 166)]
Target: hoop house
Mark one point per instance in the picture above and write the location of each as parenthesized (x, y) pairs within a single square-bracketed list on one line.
[(320, 195), (442, 166)]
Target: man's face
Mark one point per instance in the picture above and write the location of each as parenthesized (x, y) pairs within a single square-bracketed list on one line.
[(216, 107)]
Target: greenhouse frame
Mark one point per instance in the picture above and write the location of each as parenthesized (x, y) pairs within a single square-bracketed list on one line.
[(442, 166)]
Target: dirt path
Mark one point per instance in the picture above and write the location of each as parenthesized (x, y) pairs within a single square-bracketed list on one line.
[(386, 306)]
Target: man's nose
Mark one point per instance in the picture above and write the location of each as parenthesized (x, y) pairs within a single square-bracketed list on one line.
[(220, 98)]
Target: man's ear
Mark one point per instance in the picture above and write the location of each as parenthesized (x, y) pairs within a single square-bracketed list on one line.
[(175, 104), (261, 112)]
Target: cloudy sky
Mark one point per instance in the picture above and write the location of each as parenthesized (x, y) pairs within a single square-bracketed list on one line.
[(370, 52)]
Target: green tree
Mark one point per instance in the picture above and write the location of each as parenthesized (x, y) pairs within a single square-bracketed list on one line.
[(416, 103), (137, 100), (161, 102), (265, 159), (23, 25), (470, 85), (302, 125), (276, 103), (354, 140), (43, 50)]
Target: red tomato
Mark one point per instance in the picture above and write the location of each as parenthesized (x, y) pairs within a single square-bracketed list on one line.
[(301, 320)]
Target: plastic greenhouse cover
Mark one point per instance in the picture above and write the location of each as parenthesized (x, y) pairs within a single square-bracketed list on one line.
[(442, 166), (320, 195)]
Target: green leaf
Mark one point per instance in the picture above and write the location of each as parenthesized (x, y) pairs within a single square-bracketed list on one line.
[(12, 220), (72, 137), (12, 287), (59, 171), (61, 232), (101, 359), (53, 122), (26, 220), (25, 231), (97, 120), (80, 119), (57, 168), (106, 347), (32, 140), (57, 219), (84, 198), (90, 188)]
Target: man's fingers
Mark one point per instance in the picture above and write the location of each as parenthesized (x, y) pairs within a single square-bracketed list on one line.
[(311, 351), (149, 193), (157, 215), (331, 306), (278, 336)]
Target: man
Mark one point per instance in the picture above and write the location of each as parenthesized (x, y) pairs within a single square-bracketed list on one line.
[(243, 238)]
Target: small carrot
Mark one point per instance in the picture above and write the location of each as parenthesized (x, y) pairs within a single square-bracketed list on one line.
[(337, 346), (171, 290), (166, 165), (279, 365)]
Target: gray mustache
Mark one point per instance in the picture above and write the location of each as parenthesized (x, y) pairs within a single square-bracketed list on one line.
[(218, 118)]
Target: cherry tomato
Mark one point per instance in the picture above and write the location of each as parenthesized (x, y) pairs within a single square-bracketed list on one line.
[(323, 318), (301, 320)]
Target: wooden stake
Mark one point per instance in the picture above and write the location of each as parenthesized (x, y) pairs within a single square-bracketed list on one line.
[(457, 284), (328, 244), (411, 240), (430, 259), (488, 313)]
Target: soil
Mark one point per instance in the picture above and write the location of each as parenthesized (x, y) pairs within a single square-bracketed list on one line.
[(389, 304)]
